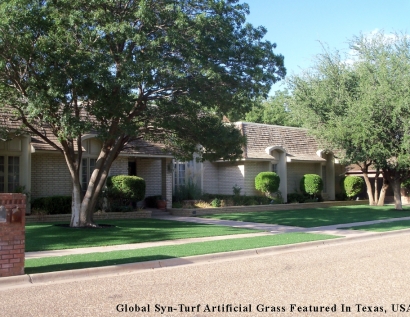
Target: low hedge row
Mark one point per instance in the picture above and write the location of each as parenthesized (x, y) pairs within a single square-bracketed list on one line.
[(303, 198), (238, 200), (52, 205)]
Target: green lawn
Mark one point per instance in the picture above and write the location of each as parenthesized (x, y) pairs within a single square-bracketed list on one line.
[(80, 261), (316, 217), (43, 237), (385, 226)]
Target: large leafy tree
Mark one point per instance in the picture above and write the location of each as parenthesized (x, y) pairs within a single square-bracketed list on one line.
[(362, 107), (273, 110), (162, 70)]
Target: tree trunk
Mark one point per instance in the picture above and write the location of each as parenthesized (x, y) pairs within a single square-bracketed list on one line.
[(78, 219), (108, 154), (83, 207), (383, 191), (397, 194), (376, 188), (369, 189), (394, 178)]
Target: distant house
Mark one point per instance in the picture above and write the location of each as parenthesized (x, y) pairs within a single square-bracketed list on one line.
[(290, 152), (354, 170)]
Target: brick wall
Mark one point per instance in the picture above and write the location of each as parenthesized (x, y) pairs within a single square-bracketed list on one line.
[(12, 235), (150, 170), (210, 178), (229, 175), (49, 175), (119, 166)]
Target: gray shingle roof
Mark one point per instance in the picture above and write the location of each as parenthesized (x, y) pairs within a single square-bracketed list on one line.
[(134, 148), (145, 148), (298, 144)]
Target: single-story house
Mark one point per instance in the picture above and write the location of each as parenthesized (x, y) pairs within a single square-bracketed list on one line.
[(288, 151), (29, 164)]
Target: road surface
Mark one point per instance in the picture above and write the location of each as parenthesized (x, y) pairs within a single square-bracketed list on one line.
[(367, 278)]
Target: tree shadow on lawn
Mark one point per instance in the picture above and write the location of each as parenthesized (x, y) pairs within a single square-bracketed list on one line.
[(317, 217), (47, 236), (54, 267)]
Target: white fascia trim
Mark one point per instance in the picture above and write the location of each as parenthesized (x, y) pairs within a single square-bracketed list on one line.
[(289, 160), (245, 159), (269, 149), (145, 155)]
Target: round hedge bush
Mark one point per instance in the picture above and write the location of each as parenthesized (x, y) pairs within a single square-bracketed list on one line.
[(267, 182), (126, 187), (353, 185), (311, 184)]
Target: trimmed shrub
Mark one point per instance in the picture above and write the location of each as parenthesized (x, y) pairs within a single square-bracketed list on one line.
[(123, 190), (311, 184), (234, 200), (353, 185), (53, 205), (126, 187), (267, 182)]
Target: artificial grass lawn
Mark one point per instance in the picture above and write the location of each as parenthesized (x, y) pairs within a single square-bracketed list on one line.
[(316, 217), (80, 261), (43, 237), (385, 226)]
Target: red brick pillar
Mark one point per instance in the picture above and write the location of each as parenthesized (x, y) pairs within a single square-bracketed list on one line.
[(12, 234)]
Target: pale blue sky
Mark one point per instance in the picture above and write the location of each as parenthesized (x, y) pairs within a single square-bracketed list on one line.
[(297, 26)]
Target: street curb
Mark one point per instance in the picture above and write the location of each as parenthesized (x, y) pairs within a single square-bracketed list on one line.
[(91, 273)]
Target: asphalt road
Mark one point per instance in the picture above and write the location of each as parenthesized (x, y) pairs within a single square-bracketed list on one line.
[(364, 277)]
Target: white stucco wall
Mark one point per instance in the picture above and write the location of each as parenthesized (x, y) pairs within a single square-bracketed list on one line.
[(296, 172), (251, 170)]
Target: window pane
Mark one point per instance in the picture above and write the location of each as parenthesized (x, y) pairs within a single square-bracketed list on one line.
[(181, 180), (88, 166), (275, 168), (13, 173), (93, 163)]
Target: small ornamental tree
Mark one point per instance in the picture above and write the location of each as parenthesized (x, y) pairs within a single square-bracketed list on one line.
[(311, 184), (267, 182), (353, 185)]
